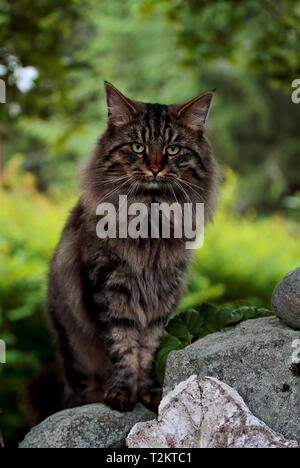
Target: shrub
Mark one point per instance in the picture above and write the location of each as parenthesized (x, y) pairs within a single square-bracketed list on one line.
[(243, 257)]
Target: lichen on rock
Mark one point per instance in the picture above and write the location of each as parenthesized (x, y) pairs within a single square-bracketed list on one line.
[(254, 358), (205, 413), (89, 426)]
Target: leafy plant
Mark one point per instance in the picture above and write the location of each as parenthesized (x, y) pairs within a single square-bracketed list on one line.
[(187, 327), (243, 256)]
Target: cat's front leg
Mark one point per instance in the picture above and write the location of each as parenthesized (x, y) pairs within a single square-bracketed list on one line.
[(119, 332), (149, 391), (122, 347)]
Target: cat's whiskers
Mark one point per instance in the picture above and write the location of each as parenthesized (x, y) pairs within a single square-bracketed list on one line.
[(172, 190), (133, 191), (191, 184), (115, 189), (188, 197), (182, 190), (127, 195), (197, 194), (114, 179)]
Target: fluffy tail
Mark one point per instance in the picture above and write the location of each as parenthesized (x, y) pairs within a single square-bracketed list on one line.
[(44, 395)]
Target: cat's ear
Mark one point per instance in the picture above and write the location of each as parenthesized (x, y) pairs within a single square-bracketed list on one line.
[(120, 108), (194, 113)]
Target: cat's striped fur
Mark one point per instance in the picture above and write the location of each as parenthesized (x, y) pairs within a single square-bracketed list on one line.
[(108, 299)]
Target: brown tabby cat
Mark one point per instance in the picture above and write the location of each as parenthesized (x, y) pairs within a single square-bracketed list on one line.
[(108, 299)]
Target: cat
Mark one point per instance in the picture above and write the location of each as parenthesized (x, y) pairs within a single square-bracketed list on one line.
[(109, 299)]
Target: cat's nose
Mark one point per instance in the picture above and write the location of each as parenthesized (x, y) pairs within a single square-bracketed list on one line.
[(155, 170)]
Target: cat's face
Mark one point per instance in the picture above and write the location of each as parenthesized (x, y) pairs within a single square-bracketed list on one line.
[(152, 148)]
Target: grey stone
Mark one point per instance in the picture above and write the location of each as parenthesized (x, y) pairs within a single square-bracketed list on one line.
[(254, 358), (90, 426), (286, 299), (204, 413)]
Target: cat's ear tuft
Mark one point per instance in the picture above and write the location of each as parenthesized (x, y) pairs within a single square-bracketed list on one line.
[(194, 113), (120, 108)]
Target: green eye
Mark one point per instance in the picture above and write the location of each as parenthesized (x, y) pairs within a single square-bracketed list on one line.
[(173, 149), (137, 147)]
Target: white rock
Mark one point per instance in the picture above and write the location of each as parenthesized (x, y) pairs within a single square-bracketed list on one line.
[(254, 358), (205, 413)]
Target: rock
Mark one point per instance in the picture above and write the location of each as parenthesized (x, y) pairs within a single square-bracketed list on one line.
[(204, 414), (254, 358), (90, 426), (286, 299)]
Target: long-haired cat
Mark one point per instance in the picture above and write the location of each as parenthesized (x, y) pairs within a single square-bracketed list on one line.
[(108, 299)]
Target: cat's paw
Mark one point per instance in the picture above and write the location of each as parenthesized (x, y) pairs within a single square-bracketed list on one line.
[(150, 397), (120, 399)]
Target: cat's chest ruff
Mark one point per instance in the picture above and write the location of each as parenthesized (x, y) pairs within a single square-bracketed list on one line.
[(151, 277)]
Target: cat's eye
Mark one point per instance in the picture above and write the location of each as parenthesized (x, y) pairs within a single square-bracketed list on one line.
[(137, 147), (173, 149)]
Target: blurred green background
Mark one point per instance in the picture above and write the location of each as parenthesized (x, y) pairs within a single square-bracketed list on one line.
[(54, 57)]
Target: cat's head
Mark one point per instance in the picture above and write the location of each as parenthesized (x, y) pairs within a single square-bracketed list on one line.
[(154, 148)]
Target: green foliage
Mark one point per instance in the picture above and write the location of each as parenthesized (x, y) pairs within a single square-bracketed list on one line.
[(43, 34), (262, 35), (30, 226), (159, 51), (169, 343), (187, 327), (162, 51), (243, 257)]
